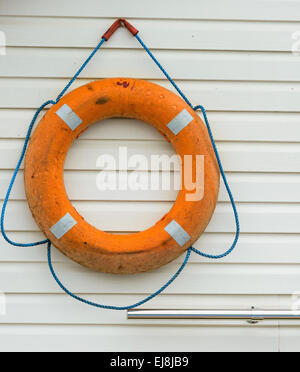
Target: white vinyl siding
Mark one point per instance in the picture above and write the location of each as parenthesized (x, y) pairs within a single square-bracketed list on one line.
[(233, 57)]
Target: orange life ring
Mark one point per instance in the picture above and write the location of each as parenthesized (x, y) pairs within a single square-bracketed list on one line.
[(59, 220)]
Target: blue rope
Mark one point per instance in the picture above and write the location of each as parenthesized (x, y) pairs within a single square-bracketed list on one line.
[(14, 178), (109, 307), (215, 150), (80, 69), (163, 70), (237, 222), (159, 291), (16, 171)]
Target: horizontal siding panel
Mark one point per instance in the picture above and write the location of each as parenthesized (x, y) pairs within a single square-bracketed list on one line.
[(236, 157), (177, 34), (66, 338), (246, 187), (252, 248), (289, 338), (197, 279), (215, 96), (182, 65), (137, 216), (34, 309), (227, 126), (196, 9)]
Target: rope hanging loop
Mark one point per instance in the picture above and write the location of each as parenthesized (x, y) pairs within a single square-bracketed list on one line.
[(108, 34)]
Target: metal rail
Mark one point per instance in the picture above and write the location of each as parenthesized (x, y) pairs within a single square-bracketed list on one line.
[(252, 315)]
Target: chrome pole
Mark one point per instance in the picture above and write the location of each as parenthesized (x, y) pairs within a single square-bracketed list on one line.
[(252, 315)]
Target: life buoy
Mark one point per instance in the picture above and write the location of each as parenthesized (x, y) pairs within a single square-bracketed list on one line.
[(59, 220)]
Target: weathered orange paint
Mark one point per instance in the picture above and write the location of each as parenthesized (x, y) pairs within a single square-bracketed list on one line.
[(45, 189)]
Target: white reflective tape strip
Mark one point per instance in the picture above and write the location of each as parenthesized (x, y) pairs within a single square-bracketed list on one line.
[(177, 233), (63, 226), (180, 122), (69, 117)]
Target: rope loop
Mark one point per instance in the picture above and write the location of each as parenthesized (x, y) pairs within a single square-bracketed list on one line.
[(110, 307), (16, 171), (237, 222), (46, 241)]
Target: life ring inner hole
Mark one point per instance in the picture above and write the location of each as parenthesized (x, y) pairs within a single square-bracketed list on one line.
[(123, 167)]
